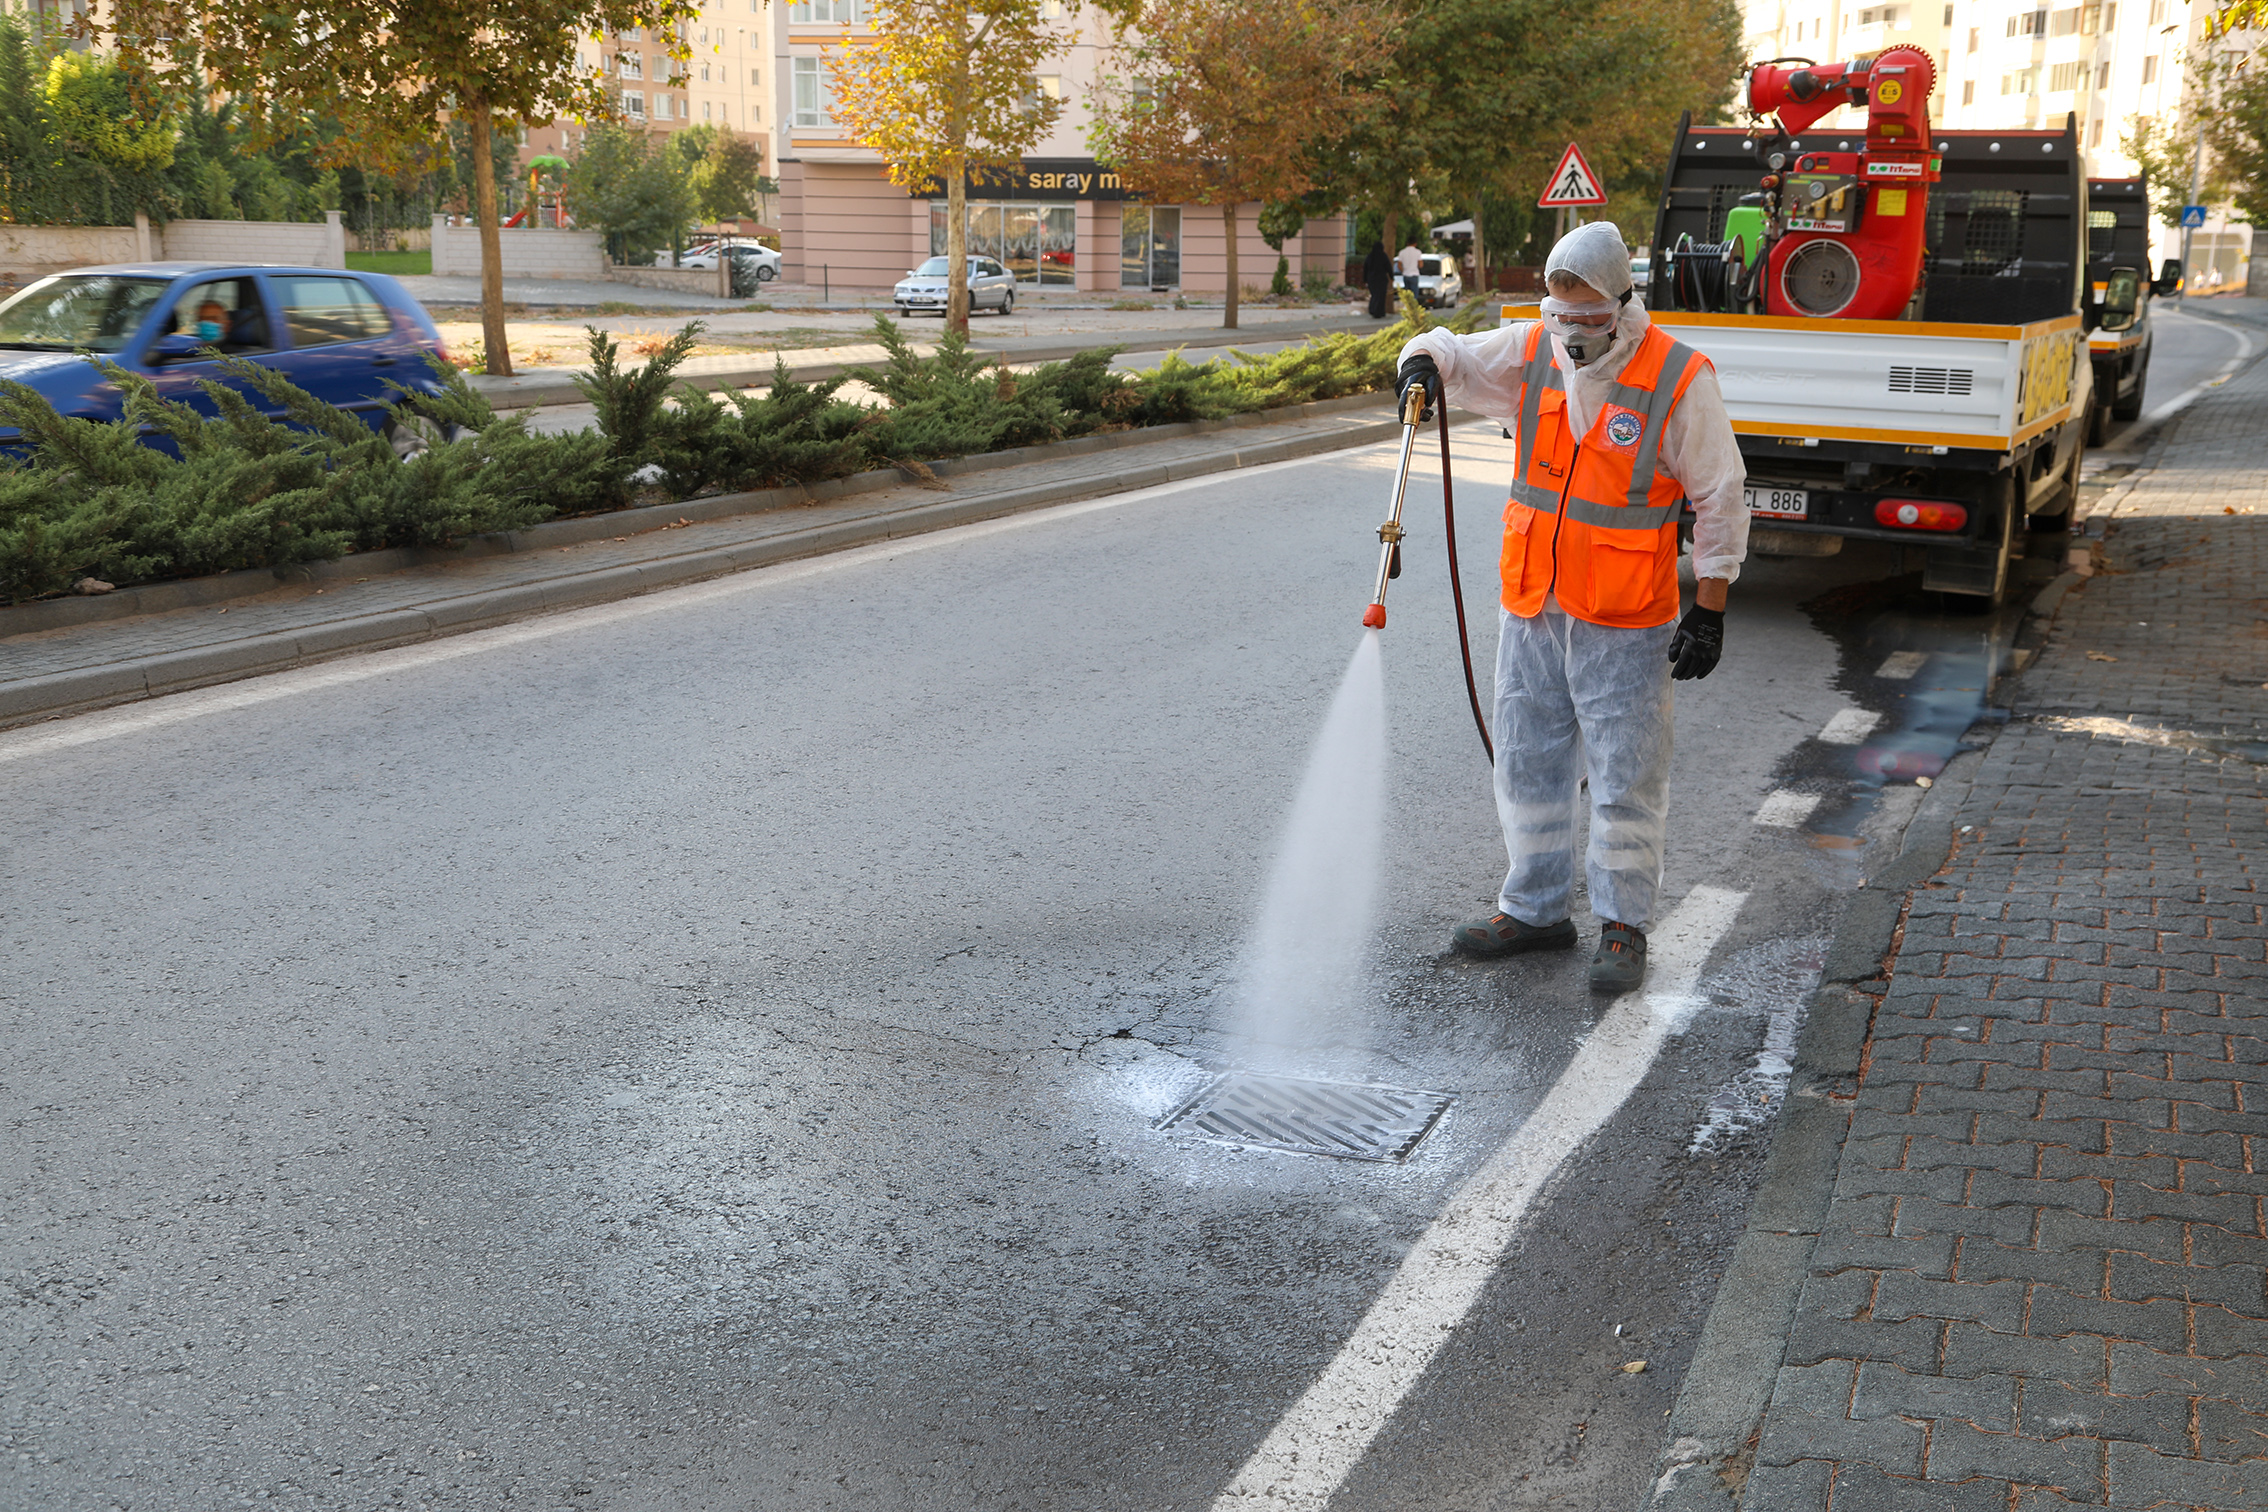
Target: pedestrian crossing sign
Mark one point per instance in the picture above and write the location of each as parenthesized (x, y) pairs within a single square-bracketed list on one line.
[(1571, 183), (2192, 216)]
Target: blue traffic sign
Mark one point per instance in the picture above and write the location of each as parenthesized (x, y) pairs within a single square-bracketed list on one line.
[(2192, 216)]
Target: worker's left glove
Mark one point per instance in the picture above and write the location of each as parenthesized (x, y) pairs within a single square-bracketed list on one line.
[(1699, 641), (1418, 369)]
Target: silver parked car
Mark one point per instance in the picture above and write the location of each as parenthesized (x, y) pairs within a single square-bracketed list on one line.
[(991, 287), (1439, 284)]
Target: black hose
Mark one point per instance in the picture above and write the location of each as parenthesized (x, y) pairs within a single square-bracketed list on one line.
[(1457, 585)]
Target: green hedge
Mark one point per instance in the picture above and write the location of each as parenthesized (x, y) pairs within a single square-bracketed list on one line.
[(315, 483)]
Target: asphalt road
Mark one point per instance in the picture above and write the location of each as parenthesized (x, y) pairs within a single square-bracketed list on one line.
[(703, 1052)]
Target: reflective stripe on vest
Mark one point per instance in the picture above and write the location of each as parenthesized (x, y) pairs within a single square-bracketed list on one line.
[(1539, 373)]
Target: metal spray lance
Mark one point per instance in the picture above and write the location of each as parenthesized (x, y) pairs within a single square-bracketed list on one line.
[(1390, 534), (1390, 544)]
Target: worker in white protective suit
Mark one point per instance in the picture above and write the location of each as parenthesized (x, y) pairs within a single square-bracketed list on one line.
[(1617, 425)]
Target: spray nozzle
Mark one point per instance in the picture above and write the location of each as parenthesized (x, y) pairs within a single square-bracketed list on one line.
[(1374, 618)]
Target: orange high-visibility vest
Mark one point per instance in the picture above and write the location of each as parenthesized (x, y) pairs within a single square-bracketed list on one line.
[(1595, 523)]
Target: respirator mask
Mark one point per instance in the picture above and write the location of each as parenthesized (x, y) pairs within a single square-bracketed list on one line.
[(208, 330), (1585, 329)]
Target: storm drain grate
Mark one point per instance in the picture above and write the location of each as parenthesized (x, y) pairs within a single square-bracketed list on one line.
[(1339, 1119)]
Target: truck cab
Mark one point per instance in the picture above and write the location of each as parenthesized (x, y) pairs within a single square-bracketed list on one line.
[(2119, 295)]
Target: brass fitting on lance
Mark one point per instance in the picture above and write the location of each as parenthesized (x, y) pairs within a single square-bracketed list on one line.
[(1391, 532), (1413, 404)]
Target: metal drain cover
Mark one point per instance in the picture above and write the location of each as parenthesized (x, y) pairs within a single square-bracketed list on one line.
[(1338, 1119)]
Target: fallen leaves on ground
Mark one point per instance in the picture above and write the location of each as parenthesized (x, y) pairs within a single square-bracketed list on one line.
[(2100, 656)]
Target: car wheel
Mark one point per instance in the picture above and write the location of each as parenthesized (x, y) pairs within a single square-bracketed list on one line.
[(1007, 301), (765, 272), (412, 435)]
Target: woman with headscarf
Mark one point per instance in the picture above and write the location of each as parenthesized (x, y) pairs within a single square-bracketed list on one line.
[(1378, 275)]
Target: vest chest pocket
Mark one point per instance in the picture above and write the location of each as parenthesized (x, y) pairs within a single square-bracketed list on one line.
[(1553, 442)]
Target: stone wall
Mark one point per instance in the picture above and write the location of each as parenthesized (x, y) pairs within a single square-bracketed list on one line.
[(28, 253), (529, 252)]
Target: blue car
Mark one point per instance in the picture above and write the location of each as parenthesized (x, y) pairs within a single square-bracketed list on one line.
[(338, 335)]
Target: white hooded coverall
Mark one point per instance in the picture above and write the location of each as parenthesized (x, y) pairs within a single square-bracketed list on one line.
[(1572, 696)]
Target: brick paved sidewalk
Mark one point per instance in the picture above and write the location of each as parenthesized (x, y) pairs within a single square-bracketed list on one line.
[(2043, 1278)]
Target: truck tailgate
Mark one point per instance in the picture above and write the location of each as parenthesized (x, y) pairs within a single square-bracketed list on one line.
[(1903, 383)]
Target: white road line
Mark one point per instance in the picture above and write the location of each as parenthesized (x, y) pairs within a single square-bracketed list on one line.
[(1850, 726), (1329, 1429), (1785, 809), (1900, 665), (37, 740), (2246, 346)]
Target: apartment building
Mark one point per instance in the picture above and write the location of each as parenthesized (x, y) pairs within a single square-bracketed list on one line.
[(2030, 65), (1056, 219), (727, 82)]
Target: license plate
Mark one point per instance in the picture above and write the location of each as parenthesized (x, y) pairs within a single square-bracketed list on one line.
[(1779, 503)]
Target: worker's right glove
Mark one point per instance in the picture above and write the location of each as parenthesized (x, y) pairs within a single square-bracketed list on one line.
[(1418, 368), (1699, 641)]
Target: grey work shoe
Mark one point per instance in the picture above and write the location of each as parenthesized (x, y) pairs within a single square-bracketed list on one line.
[(1503, 935), (1620, 964)]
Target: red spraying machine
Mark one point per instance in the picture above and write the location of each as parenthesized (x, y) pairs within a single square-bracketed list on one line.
[(1844, 230)]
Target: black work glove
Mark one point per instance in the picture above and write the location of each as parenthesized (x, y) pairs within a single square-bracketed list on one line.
[(1418, 369), (1699, 641)]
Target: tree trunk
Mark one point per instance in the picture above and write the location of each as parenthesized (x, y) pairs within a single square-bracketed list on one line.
[(957, 250), (1480, 247), (496, 342), (1228, 219)]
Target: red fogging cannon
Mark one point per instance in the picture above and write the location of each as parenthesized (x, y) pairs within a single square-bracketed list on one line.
[(1845, 229)]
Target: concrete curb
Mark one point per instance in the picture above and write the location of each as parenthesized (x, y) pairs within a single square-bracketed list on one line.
[(1736, 1360), (83, 689), (187, 593)]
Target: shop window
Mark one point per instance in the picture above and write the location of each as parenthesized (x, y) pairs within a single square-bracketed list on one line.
[(1037, 243), (1150, 247)]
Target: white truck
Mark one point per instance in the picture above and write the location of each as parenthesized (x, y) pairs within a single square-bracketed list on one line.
[(1939, 431)]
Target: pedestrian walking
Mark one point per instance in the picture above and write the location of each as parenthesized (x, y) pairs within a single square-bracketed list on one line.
[(1410, 261), (1617, 426), (1378, 276)]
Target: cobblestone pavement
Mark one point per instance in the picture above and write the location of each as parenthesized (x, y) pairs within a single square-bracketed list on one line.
[(2043, 1281)]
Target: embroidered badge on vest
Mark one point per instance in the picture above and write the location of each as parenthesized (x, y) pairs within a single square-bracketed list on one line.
[(1623, 429)]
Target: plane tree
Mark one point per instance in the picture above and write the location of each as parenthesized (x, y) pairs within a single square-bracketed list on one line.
[(943, 89), (1220, 104)]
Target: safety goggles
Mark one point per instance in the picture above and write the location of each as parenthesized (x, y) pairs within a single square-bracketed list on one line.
[(1568, 315)]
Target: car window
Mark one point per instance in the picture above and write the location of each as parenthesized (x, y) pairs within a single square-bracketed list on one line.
[(222, 312), (1430, 266), (992, 269), (97, 311), (935, 267), (321, 311)]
